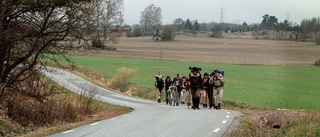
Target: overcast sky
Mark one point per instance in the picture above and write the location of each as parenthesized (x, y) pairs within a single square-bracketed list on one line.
[(234, 11)]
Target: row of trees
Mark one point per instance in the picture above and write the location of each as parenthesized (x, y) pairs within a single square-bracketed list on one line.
[(151, 22)]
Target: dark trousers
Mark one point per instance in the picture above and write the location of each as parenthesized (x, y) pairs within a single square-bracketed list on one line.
[(195, 92), (167, 96), (210, 96), (178, 95)]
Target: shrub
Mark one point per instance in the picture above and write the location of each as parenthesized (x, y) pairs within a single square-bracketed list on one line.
[(136, 32), (168, 32), (56, 107), (97, 43), (129, 34), (316, 37), (121, 79), (87, 103)]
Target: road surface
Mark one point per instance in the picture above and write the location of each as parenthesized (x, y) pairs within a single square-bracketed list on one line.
[(148, 118)]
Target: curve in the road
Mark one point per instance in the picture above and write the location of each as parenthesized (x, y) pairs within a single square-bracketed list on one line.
[(148, 118)]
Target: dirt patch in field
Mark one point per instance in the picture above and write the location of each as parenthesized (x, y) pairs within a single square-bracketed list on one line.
[(231, 51)]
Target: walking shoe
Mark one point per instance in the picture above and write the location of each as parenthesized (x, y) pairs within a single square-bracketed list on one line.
[(198, 108), (177, 104)]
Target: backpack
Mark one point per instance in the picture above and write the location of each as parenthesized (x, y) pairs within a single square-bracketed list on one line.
[(221, 72)]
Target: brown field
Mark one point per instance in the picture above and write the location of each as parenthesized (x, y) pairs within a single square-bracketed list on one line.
[(231, 51)]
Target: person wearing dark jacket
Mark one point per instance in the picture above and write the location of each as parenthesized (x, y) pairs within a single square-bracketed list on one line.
[(159, 84), (196, 85), (210, 92), (167, 83)]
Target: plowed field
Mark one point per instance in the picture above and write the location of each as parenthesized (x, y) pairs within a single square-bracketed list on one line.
[(233, 51)]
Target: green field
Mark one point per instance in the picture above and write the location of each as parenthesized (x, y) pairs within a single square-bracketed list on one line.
[(284, 87)]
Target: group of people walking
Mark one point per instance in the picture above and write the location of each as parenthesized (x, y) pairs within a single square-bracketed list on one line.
[(207, 90)]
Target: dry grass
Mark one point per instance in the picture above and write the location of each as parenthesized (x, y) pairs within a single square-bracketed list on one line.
[(60, 111), (121, 79)]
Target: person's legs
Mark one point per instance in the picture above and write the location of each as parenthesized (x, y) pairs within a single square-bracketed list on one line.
[(219, 97), (183, 96), (215, 94), (167, 97), (159, 96), (205, 98), (210, 96), (192, 90), (197, 98), (177, 96)]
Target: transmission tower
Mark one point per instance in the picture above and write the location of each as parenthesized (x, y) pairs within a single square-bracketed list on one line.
[(221, 14)]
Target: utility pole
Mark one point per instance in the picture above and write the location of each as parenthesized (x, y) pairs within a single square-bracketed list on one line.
[(221, 15)]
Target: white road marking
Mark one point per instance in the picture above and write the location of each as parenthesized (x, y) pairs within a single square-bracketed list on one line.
[(67, 131), (94, 124), (216, 130), (227, 116), (113, 118), (228, 112), (225, 121)]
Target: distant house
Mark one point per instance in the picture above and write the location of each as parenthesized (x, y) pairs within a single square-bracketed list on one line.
[(157, 36)]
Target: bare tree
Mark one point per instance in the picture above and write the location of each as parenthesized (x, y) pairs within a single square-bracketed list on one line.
[(255, 31), (179, 24), (150, 19), (102, 21), (216, 31), (33, 32)]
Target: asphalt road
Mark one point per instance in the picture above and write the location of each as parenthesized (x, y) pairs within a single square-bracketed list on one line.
[(149, 119)]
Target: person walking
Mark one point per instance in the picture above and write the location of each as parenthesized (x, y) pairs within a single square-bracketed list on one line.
[(177, 82), (167, 84), (218, 81), (159, 84), (210, 92), (184, 90), (204, 94), (196, 85), (188, 95)]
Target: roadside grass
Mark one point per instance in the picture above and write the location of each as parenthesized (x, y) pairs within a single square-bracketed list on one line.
[(272, 87), (82, 106), (306, 124)]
